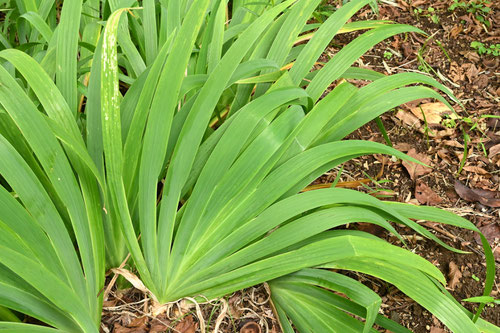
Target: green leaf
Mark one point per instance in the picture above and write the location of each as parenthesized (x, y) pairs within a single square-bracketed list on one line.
[(67, 50)]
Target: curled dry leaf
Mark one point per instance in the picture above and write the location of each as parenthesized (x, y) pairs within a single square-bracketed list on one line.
[(416, 170), (251, 327), (487, 198), (454, 275), (426, 196)]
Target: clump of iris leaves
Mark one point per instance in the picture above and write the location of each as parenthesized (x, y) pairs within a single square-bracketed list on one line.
[(182, 132)]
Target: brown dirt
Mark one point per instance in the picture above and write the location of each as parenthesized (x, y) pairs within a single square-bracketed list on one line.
[(476, 83)]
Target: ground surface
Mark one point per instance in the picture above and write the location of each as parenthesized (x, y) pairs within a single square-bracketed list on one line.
[(474, 79), (437, 140)]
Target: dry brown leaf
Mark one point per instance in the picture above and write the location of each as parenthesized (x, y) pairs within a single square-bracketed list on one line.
[(433, 112), (158, 328), (456, 30), (187, 325), (416, 170), (443, 154), (493, 123), (138, 325), (476, 169), (426, 196), (234, 310), (160, 324), (492, 234), (491, 231), (438, 134), (481, 81), (139, 322), (454, 275), (494, 150), (453, 143), (487, 198), (471, 71), (408, 118), (371, 228), (403, 146), (435, 329), (111, 303)]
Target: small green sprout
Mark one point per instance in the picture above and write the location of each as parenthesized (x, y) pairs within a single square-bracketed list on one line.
[(481, 48), (478, 8)]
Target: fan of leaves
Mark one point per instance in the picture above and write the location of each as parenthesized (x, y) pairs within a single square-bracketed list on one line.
[(185, 140)]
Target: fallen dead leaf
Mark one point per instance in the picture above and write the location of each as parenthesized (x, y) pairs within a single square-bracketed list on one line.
[(120, 329), (481, 81), (433, 112), (426, 196), (453, 143), (139, 322), (403, 146), (416, 170), (471, 71), (371, 228), (435, 329), (476, 170), (491, 63), (492, 234), (448, 132), (494, 150), (485, 197), (138, 325), (443, 154), (108, 304), (187, 325), (456, 30), (408, 118), (158, 328), (454, 275)]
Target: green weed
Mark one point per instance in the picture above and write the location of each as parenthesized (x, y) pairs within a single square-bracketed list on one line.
[(481, 48), (479, 8)]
